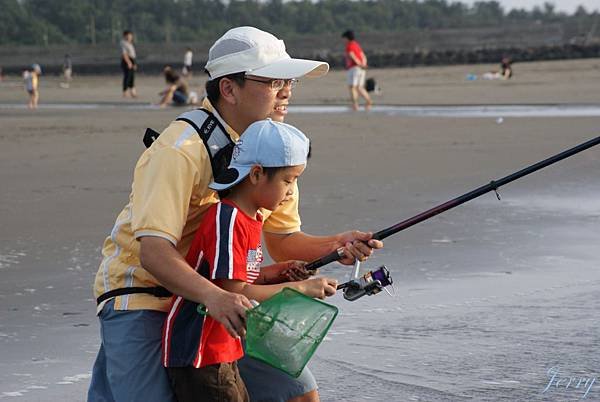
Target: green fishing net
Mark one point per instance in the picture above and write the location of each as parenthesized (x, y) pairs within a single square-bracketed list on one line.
[(285, 330)]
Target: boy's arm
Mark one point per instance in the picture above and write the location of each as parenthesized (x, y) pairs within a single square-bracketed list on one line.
[(316, 287)]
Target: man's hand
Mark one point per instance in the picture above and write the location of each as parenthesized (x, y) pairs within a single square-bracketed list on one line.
[(357, 245), (159, 257), (230, 310)]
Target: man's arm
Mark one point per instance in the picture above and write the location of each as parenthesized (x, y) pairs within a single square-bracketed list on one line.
[(302, 246), (159, 257)]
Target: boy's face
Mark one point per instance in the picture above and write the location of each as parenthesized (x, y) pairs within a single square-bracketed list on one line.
[(272, 192)]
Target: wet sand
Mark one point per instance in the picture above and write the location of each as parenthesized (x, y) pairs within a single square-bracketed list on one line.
[(489, 296)]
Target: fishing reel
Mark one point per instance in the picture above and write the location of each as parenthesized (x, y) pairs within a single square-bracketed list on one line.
[(369, 284)]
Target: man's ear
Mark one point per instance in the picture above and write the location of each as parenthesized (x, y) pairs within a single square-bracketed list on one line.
[(255, 173), (228, 90)]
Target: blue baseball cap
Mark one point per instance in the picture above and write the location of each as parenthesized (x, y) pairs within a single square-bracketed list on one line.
[(266, 143)]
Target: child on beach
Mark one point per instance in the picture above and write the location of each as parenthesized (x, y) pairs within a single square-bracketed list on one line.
[(31, 81), (177, 92), (200, 356)]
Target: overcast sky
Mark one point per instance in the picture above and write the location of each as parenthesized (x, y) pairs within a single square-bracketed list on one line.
[(568, 6)]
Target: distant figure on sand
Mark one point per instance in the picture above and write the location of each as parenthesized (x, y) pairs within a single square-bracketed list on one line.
[(67, 69), (128, 64), (31, 81), (506, 68), (505, 72), (177, 91), (187, 62), (356, 64)]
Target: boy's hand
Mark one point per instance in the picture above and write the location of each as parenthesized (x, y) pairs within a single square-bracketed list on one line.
[(295, 271), (318, 287)]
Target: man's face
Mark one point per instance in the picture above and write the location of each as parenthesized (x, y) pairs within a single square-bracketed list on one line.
[(258, 101)]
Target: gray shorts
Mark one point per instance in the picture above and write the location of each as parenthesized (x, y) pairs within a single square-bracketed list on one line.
[(128, 366), (356, 77), (267, 384)]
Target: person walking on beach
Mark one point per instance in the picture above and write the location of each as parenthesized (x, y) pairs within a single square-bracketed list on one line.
[(32, 83), (197, 351), (187, 62), (67, 69), (128, 64), (251, 77), (356, 65)]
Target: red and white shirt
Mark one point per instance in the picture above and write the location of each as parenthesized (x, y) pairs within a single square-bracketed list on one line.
[(226, 246)]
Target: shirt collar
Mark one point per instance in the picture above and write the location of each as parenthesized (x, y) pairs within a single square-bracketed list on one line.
[(208, 106)]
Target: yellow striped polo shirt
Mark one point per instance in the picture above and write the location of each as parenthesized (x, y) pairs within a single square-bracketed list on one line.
[(168, 199)]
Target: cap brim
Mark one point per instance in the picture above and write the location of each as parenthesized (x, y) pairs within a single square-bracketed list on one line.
[(230, 178), (292, 68)]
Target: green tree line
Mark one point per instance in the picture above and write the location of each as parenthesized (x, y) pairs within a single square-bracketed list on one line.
[(45, 22)]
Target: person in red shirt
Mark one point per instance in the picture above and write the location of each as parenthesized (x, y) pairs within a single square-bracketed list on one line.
[(199, 353), (356, 65)]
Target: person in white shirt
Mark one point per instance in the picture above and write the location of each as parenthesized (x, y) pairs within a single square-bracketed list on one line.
[(187, 62)]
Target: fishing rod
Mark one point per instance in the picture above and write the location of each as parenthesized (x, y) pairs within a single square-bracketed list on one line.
[(383, 274)]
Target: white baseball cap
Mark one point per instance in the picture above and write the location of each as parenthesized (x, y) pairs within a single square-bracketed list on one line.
[(256, 52), (266, 143)]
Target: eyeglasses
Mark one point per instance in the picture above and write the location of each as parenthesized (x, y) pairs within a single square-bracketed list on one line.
[(277, 84)]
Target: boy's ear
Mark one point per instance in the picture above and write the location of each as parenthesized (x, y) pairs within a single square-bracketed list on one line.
[(255, 174)]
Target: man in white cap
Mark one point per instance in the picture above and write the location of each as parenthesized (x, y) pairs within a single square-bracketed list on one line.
[(251, 78)]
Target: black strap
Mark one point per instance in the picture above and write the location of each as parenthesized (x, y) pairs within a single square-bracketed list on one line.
[(219, 156), (149, 137), (219, 161), (157, 291)]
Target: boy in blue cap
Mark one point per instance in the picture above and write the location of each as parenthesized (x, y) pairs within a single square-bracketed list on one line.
[(200, 355)]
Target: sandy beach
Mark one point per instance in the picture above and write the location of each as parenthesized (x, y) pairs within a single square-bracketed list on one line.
[(490, 297)]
